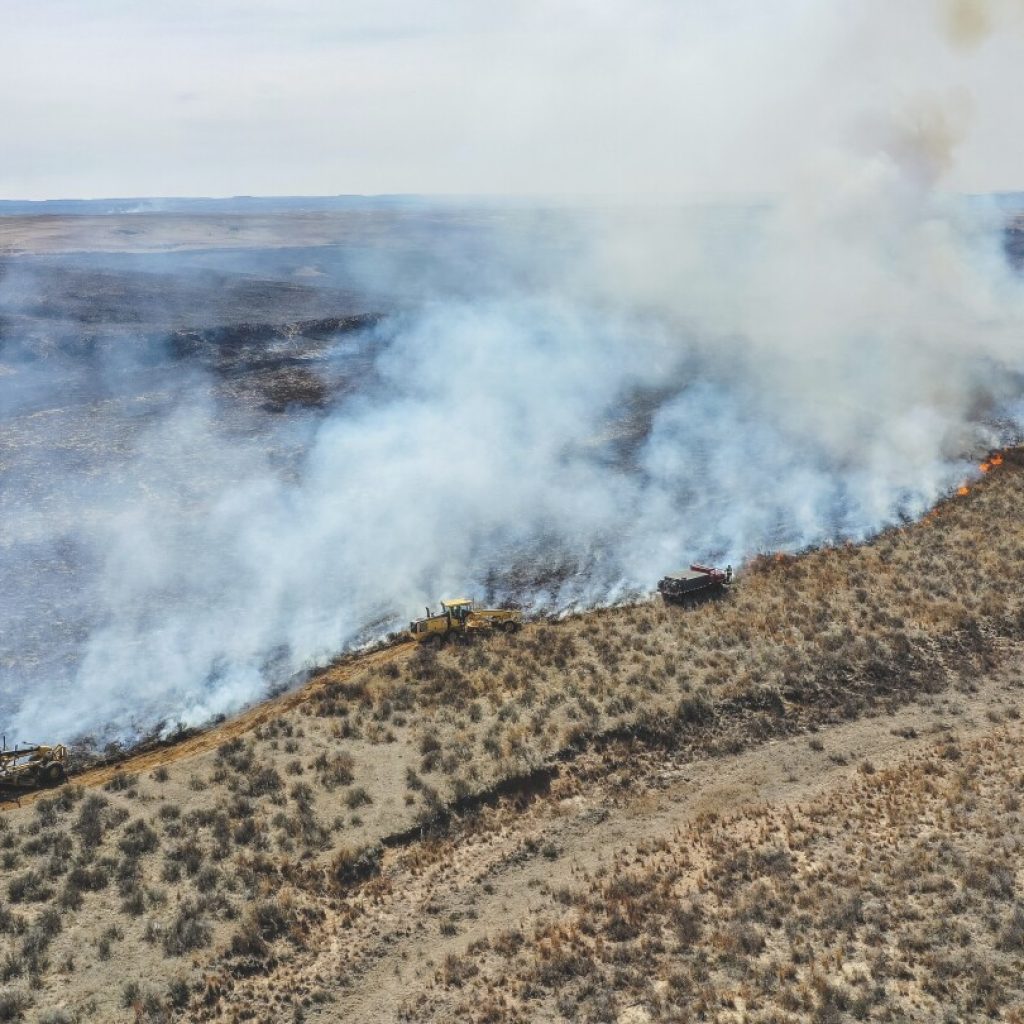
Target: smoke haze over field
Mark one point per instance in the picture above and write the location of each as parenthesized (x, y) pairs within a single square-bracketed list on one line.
[(549, 444), (559, 405)]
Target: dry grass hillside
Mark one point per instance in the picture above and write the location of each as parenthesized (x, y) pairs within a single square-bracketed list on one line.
[(894, 896), (386, 843)]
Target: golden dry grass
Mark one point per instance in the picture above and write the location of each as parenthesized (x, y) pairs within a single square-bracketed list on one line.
[(895, 897)]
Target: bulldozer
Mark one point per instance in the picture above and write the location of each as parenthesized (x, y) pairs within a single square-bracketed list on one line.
[(459, 619), (31, 767)]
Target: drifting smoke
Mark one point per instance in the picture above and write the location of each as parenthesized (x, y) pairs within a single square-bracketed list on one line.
[(699, 384), (969, 23)]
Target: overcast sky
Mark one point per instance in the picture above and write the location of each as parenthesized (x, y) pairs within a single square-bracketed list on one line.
[(623, 97)]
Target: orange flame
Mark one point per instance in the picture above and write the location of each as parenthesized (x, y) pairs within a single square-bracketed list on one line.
[(985, 467), (996, 460), (964, 490)]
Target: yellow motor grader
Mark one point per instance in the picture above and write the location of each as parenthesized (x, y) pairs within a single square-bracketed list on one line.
[(30, 767), (459, 619)]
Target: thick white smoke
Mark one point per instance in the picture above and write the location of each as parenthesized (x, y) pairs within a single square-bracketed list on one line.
[(699, 383), (840, 392)]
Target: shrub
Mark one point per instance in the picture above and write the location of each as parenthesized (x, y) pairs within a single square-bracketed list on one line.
[(90, 824), (12, 967), (121, 781), (230, 749), (245, 832), (353, 865), (189, 855), (991, 877), (272, 919), (48, 842), (131, 994), (13, 1005), (508, 943), (336, 771), (264, 781), (48, 923), (29, 887), (695, 710), (188, 931), (134, 903), (744, 938), (562, 966), (357, 797), (686, 921), (46, 812), (457, 970), (110, 935), (138, 839), (248, 941), (619, 929), (207, 879), (57, 1016), (1011, 939), (9, 921), (773, 860), (178, 993), (301, 793), (264, 923)]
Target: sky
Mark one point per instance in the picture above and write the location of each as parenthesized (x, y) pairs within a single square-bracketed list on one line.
[(104, 98)]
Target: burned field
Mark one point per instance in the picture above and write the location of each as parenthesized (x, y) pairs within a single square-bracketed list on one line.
[(97, 360)]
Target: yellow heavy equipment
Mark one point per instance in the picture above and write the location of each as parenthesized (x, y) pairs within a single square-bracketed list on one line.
[(460, 620), (32, 766)]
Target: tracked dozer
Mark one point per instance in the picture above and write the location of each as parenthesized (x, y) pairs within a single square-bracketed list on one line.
[(31, 767), (460, 619)]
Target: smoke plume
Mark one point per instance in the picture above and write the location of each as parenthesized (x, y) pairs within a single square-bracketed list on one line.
[(621, 391)]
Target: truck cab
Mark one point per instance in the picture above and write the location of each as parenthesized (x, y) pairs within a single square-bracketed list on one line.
[(460, 609)]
